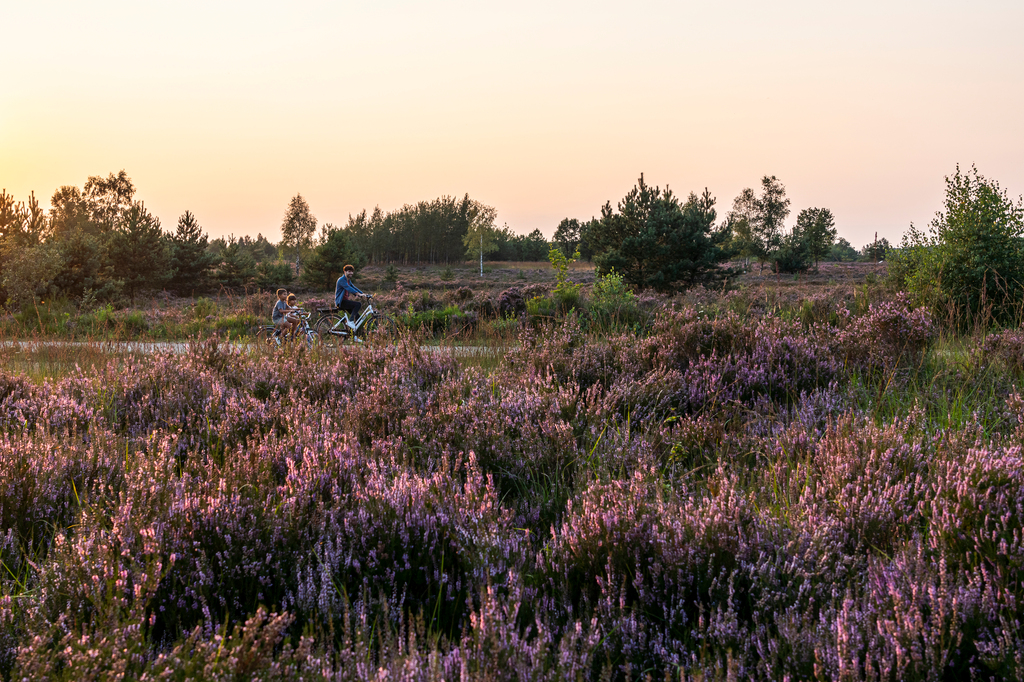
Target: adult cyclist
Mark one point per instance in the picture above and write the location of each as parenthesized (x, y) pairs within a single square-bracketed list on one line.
[(345, 296)]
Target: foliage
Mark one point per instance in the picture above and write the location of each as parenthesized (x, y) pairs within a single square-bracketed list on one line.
[(793, 254), (434, 321), (654, 241), (29, 273), (334, 251), (612, 305), (772, 208), (272, 275), (817, 229), (519, 247), (480, 236), (191, 263), (571, 236), (69, 213), (138, 252), (971, 260), (567, 294), (237, 267), (756, 222), (428, 231), (738, 225), (298, 227), (86, 270), (108, 200), (842, 251), (511, 302), (876, 251)]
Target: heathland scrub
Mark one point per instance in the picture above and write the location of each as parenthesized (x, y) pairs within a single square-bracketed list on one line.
[(750, 486)]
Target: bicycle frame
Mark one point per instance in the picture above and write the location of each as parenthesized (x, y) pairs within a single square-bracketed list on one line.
[(367, 313), (344, 330)]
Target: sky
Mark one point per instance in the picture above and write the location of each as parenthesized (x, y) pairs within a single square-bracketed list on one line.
[(544, 110)]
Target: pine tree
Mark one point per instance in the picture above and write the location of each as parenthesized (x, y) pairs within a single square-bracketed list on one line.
[(237, 266), (190, 260), (138, 252), (325, 264), (655, 241)]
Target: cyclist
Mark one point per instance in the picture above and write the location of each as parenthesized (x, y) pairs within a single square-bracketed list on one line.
[(284, 316), (345, 296)]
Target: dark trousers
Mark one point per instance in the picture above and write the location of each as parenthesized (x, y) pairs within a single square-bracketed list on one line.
[(352, 308)]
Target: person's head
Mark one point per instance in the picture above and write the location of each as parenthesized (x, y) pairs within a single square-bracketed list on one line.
[(282, 294), (291, 299), (349, 271)]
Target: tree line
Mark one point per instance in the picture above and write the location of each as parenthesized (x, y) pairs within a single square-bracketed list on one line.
[(652, 238), (99, 242), (436, 232)]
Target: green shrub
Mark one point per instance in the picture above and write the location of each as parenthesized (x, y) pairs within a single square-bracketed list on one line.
[(202, 308), (432, 321), (612, 304), (540, 306), (567, 294), (970, 263), (134, 323), (568, 299), (793, 256), (235, 326), (100, 320)]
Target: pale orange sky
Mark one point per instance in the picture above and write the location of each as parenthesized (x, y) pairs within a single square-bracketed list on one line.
[(542, 109)]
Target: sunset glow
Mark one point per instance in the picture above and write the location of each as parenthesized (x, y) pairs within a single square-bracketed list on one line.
[(543, 110)]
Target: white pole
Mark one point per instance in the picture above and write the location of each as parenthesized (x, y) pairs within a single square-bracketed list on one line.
[(481, 254)]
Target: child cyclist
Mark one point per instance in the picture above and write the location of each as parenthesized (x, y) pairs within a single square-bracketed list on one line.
[(284, 316), (345, 296)]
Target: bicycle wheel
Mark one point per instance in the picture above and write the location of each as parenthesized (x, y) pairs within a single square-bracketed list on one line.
[(266, 338), (381, 328), (332, 330), (312, 338)]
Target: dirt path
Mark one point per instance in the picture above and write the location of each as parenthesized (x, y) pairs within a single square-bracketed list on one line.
[(179, 347)]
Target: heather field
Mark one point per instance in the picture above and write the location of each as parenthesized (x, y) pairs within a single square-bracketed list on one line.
[(752, 485)]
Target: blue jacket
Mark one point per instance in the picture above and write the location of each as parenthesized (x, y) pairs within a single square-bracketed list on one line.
[(344, 284)]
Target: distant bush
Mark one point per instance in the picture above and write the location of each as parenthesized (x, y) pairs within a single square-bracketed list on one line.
[(794, 254), (272, 275), (970, 265)]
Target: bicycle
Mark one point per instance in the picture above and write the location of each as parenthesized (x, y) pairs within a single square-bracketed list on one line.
[(272, 335), (334, 328)]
